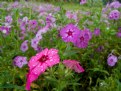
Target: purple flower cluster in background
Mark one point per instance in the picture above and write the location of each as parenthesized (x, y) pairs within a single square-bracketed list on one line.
[(114, 15), (115, 4)]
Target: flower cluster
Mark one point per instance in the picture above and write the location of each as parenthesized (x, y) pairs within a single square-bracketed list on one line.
[(47, 58), (80, 38)]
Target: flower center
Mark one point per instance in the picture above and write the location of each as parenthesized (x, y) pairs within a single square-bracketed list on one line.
[(69, 33), (111, 60), (82, 38), (43, 58)]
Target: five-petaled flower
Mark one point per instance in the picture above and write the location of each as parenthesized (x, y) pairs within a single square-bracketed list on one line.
[(39, 63)]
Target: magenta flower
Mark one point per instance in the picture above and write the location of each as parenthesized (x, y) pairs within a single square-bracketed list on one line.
[(96, 32), (39, 63), (69, 33), (83, 1), (20, 61), (112, 60), (114, 15), (24, 46), (83, 39), (74, 65)]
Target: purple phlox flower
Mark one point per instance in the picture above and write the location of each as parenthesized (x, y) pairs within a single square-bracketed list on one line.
[(96, 32), (33, 24), (24, 46), (34, 43), (23, 23), (104, 10), (15, 4), (39, 49), (83, 38), (119, 28), (115, 4), (46, 8), (112, 60), (119, 34), (42, 21), (83, 2), (69, 33), (26, 20), (71, 15), (50, 20), (23, 26), (114, 15), (43, 14), (42, 30), (20, 61), (100, 48), (5, 29), (57, 9), (87, 33), (8, 19)]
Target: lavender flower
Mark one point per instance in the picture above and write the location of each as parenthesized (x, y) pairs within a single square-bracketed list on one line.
[(118, 34), (112, 60), (20, 61), (115, 4), (8, 19), (34, 43), (33, 24), (24, 46), (83, 1), (114, 15), (5, 29), (71, 15), (96, 32)]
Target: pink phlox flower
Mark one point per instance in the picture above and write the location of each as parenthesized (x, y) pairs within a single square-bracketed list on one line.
[(118, 34), (69, 33), (74, 65), (39, 63)]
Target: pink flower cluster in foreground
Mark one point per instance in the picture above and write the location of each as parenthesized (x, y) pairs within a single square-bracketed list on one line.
[(47, 58), (39, 63)]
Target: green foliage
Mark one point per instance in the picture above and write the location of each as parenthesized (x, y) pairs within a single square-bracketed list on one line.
[(98, 76)]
